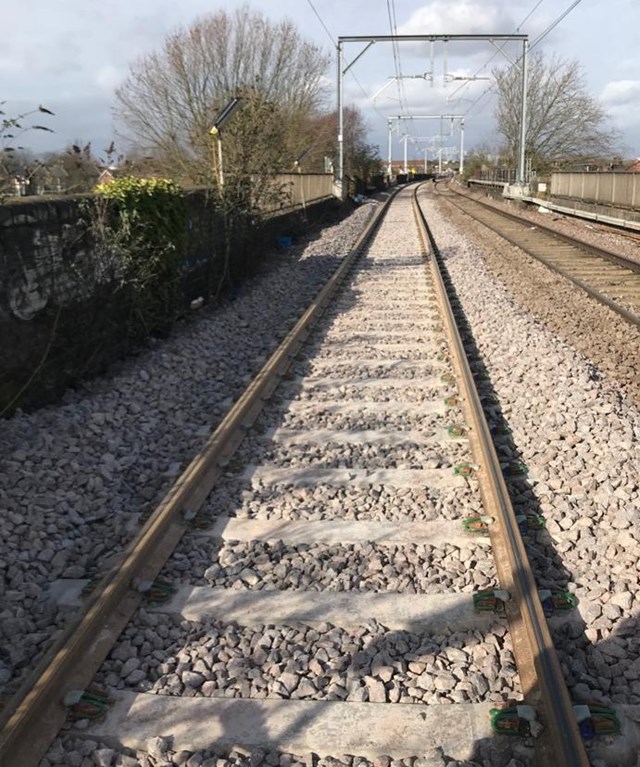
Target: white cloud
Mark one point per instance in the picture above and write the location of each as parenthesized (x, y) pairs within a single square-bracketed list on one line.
[(621, 93), (461, 17), (109, 77), (620, 98)]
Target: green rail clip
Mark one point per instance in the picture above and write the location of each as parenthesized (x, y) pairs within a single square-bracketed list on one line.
[(514, 469), (465, 469), (201, 522), (143, 516), (477, 525), (519, 720), (452, 401), (594, 720), (552, 601), (492, 601), (456, 431), (155, 591), (447, 378), (232, 467), (197, 520), (90, 585), (527, 522), (91, 703)]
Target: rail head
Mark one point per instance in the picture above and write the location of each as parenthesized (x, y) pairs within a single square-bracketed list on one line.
[(560, 743)]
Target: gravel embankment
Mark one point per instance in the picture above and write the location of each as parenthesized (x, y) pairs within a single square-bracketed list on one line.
[(605, 339), (576, 424), (592, 232), (75, 476)]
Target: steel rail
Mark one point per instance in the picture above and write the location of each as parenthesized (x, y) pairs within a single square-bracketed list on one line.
[(34, 716), (541, 677), (629, 316), (608, 255)]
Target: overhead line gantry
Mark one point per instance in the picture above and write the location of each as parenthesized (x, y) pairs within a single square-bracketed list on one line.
[(370, 40)]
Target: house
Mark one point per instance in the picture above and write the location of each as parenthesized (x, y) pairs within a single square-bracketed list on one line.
[(107, 174)]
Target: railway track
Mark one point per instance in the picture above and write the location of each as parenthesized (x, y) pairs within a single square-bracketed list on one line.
[(607, 277), (329, 608)]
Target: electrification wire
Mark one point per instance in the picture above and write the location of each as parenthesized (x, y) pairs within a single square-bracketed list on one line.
[(555, 24), (395, 32), (538, 39), (326, 29), (530, 14), (496, 52), (331, 37), (394, 43), (396, 52), (368, 97)]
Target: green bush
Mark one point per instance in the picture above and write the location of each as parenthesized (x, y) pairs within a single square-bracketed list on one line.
[(142, 224)]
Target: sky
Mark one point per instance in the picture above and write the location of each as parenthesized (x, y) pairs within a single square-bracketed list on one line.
[(70, 56)]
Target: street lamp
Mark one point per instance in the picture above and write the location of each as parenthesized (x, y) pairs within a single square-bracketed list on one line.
[(300, 158), (218, 123)]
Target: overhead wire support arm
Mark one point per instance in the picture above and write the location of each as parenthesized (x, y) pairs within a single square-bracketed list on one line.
[(450, 77), (360, 55), (424, 76)]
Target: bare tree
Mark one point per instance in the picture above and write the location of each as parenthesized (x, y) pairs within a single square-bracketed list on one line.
[(13, 156), (318, 140), (171, 97), (563, 119), (362, 160)]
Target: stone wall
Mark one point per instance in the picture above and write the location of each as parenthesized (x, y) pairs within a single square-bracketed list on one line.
[(63, 314)]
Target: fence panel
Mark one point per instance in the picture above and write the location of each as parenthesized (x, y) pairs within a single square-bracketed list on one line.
[(619, 189), (305, 188)]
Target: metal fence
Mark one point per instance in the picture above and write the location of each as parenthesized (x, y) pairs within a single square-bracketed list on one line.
[(302, 189), (621, 190)]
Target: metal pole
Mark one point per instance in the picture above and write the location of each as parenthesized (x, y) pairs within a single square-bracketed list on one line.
[(440, 160), (340, 178), (220, 173), (523, 115), (461, 147), (406, 170), (214, 162), (389, 169), (425, 160)]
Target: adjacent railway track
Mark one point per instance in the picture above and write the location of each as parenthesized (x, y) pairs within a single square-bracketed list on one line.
[(330, 605), (607, 277)]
